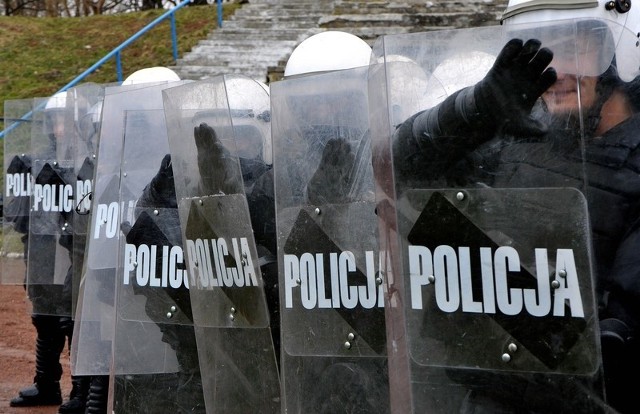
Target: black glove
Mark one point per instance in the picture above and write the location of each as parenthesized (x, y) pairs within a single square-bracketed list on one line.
[(161, 191), (502, 101), (508, 92), (330, 183), (219, 171)]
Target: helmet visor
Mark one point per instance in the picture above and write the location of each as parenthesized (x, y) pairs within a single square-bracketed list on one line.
[(582, 47)]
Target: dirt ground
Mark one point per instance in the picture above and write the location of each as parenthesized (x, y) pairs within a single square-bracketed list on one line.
[(17, 347)]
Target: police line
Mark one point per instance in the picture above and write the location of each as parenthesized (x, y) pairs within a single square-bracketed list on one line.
[(326, 281), (48, 197)]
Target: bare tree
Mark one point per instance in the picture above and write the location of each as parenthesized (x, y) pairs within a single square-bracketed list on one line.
[(22, 7), (151, 4), (72, 8), (91, 7), (57, 8)]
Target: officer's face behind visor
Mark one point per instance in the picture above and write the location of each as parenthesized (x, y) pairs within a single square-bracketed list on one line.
[(54, 123), (582, 51)]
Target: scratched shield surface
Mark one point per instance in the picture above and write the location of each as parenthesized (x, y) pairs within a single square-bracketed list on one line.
[(219, 134), (490, 241), (331, 286)]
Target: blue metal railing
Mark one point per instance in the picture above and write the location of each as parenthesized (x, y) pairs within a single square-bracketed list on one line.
[(169, 14)]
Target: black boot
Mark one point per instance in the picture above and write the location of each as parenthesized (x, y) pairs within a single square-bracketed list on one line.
[(40, 393), (77, 401), (49, 345), (78, 397), (98, 395)]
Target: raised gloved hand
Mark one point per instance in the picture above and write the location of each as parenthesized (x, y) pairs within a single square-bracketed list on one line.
[(161, 191), (219, 171), (501, 102), (330, 183), (517, 79)]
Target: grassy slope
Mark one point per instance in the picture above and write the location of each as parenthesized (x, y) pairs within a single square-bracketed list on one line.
[(38, 56)]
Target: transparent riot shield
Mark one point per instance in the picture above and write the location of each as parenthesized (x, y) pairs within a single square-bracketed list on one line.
[(492, 300), (152, 283), (17, 190), (331, 287), (87, 101), (219, 133), (49, 276), (94, 328)]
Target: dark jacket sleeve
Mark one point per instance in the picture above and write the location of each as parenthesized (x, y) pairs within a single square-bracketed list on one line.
[(433, 141)]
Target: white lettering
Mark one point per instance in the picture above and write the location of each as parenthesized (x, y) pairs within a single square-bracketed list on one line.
[(305, 277), (53, 197), (83, 201), (18, 184), (453, 290), (107, 219), (143, 260), (207, 263)]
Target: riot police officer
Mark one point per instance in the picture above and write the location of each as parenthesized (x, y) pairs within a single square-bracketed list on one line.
[(534, 118), (51, 317)]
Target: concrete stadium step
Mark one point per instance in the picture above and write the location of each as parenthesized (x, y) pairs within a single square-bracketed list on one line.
[(259, 38), (260, 34)]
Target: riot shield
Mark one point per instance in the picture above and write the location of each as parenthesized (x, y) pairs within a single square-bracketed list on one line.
[(49, 276), (17, 190), (331, 287), (94, 328), (152, 283), (87, 103), (491, 300), (228, 118)]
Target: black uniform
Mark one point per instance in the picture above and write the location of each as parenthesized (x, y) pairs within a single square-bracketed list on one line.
[(52, 330)]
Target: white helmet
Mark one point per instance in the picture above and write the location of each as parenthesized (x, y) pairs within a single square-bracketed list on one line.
[(241, 92), (54, 114), (90, 122), (328, 51), (457, 72), (151, 75), (56, 102), (248, 106), (95, 112), (622, 19), (407, 85)]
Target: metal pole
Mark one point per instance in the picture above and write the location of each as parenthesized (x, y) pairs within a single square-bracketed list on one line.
[(174, 37), (219, 13), (118, 67)]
